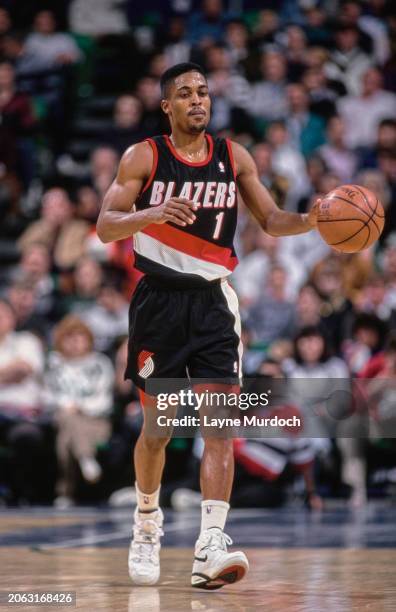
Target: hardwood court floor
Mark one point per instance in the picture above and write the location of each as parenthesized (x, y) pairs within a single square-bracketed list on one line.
[(296, 580)]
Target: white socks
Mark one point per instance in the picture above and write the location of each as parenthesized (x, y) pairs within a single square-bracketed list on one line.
[(214, 513), (147, 502)]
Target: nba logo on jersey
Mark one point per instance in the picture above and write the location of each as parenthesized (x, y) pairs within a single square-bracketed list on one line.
[(208, 509), (221, 167), (145, 364)]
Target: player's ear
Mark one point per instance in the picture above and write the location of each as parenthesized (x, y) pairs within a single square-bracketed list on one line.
[(165, 106)]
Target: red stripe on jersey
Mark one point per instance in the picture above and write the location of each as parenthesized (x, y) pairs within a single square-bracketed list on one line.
[(192, 245), (185, 161), (155, 164), (231, 156)]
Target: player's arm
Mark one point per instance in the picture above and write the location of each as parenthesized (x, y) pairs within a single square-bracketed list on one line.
[(259, 201), (118, 218)]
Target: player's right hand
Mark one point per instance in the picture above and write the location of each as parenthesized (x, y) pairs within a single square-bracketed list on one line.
[(175, 210)]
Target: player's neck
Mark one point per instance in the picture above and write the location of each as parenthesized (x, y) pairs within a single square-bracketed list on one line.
[(191, 146)]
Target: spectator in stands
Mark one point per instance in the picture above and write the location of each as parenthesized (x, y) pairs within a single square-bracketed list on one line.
[(35, 266), (308, 308), (373, 104), (23, 300), (16, 127), (45, 48), (79, 386), (337, 311), (177, 49), (312, 357), (296, 50), (273, 315), (322, 96), (108, 317), (368, 336), (21, 368), (288, 162), (126, 129), (206, 25), (153, 120), (237, 41), (307, 131), (87, 280), (58, 229), (336, 155), (268, 96), (251, 275), (275, 183), (103, 168), (348, 62)]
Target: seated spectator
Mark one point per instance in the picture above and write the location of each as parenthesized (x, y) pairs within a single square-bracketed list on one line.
[(288, 162), (86, 282), (154, 120), (348, 62), (177, 49), (251, 275), (126, 129), (79, 386), (337, 311), (373, 103), (386, 141), (35, 266), (58, 229), (21, 368), (207, 24), (295, 42), (108, 317), (308, 306), (103, 168), (368, 336), (336, 155), (268, 97), (276, 184), (46, 48), (307, 130), (312, 357), (273, 315), (16, 128), (23, 300), (237, 41), (322, 92)]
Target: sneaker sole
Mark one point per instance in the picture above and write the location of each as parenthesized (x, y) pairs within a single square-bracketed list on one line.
[(229, 575)]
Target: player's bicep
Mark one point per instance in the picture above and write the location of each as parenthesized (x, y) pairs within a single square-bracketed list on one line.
[(134, 168)]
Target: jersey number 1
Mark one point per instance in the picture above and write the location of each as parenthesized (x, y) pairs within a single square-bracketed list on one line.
[(219, 222)]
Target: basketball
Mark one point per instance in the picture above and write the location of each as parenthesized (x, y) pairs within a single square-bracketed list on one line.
[(350, 218)]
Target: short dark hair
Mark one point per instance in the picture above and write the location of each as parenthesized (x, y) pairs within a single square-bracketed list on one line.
[(175, 71)]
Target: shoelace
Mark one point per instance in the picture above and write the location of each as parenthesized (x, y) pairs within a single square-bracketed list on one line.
[(215, 540), (145, 539)]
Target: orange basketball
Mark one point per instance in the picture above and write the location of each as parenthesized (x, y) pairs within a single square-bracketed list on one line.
[(350, 218)]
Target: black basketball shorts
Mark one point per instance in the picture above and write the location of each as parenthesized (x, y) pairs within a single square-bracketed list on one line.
[(179, 333)]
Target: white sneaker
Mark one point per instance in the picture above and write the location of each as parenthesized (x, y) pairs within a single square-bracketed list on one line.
[(213, 566), (143, 559)]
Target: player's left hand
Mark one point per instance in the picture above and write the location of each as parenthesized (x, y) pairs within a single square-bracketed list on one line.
[(313, 213)]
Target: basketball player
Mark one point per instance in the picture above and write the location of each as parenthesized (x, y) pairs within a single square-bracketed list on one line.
[(177, 195)]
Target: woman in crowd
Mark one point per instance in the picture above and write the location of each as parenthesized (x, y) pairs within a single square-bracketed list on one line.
[(79, 386)]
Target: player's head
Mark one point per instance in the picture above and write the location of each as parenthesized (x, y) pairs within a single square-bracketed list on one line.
[(185, 97)]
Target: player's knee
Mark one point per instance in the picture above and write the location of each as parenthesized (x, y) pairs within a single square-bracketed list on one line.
[(154, 444), (218, 444)]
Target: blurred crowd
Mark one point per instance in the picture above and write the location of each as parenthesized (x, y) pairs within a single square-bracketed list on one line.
[(309, 87)]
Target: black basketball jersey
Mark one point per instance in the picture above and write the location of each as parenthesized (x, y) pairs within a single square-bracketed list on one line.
[(203, 250)]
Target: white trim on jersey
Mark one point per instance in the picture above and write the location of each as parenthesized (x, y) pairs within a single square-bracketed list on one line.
[(233, 305), (153, 249)]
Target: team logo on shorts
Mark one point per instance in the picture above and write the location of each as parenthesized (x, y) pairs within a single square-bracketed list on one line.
[(145, 364)]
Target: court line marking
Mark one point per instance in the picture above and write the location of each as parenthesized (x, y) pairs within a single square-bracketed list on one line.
[(184, 524)]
